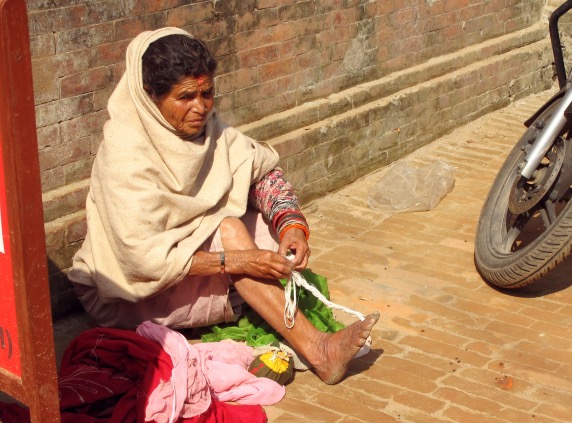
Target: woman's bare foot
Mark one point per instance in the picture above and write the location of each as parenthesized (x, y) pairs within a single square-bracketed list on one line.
[(336, 350)]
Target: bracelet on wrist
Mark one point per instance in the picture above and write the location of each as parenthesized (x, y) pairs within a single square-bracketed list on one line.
[(292, 226), (222, 263)]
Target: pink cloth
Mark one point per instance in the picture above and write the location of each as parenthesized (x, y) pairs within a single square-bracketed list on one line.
[(225, 365), (217, 368)]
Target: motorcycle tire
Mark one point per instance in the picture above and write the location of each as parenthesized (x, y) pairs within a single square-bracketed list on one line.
[(515, 250)]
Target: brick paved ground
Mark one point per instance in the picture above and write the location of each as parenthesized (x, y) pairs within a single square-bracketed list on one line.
[(448, 348)]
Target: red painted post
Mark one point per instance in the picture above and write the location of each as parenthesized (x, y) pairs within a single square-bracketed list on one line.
[(27, 357)]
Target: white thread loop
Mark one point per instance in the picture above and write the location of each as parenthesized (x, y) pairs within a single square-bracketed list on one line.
[(291, 296)]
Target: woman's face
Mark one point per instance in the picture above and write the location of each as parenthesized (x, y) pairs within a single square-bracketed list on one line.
[(188, 104)]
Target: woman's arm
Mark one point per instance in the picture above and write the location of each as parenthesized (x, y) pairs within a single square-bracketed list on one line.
[(276, 200), (257, 263), (274, 197)]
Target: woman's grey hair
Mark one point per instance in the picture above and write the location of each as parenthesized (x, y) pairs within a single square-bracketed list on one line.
[(170, 59)]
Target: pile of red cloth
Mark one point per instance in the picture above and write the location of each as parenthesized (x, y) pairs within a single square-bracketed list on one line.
[(107, 376)]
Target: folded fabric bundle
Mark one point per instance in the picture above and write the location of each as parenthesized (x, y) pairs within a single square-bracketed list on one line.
[(200, 371), (109, 375)]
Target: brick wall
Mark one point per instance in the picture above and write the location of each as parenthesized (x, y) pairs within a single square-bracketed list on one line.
[(277, 60)]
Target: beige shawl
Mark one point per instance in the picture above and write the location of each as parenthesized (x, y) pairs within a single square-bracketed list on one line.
[(155, 197)]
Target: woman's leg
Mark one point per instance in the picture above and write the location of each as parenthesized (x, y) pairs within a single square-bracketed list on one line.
[(329, 354)]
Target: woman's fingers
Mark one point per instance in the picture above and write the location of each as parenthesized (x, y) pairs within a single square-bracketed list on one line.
[(279, 264), (294, 240), (302, 263), (264, 264)]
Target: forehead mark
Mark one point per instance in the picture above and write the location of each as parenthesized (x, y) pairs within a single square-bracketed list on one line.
[(202, 79)]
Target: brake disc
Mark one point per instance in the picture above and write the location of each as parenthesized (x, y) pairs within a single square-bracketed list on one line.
[(526, 193)]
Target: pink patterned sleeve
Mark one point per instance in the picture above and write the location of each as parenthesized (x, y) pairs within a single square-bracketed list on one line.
[(276, 200)]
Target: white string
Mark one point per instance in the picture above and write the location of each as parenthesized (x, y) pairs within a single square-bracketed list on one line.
[(297, 280), (291, 303)]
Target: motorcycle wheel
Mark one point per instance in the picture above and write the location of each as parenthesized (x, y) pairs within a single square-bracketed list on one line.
[(522, 234)]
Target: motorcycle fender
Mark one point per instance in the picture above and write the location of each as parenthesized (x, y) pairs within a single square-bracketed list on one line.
[(554, 98)]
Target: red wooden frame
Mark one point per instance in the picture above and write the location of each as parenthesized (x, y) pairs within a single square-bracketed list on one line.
[(27, 357)]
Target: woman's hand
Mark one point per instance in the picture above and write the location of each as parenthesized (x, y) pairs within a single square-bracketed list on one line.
[(258, 263), (295, 240)]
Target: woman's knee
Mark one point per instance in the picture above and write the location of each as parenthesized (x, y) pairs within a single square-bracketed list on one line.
[(231, 224), (235, 235)]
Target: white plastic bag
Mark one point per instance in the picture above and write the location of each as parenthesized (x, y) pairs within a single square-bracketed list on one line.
[(406, 188)]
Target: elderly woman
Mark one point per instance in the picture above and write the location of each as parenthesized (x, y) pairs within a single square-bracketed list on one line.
[(188, 218)]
